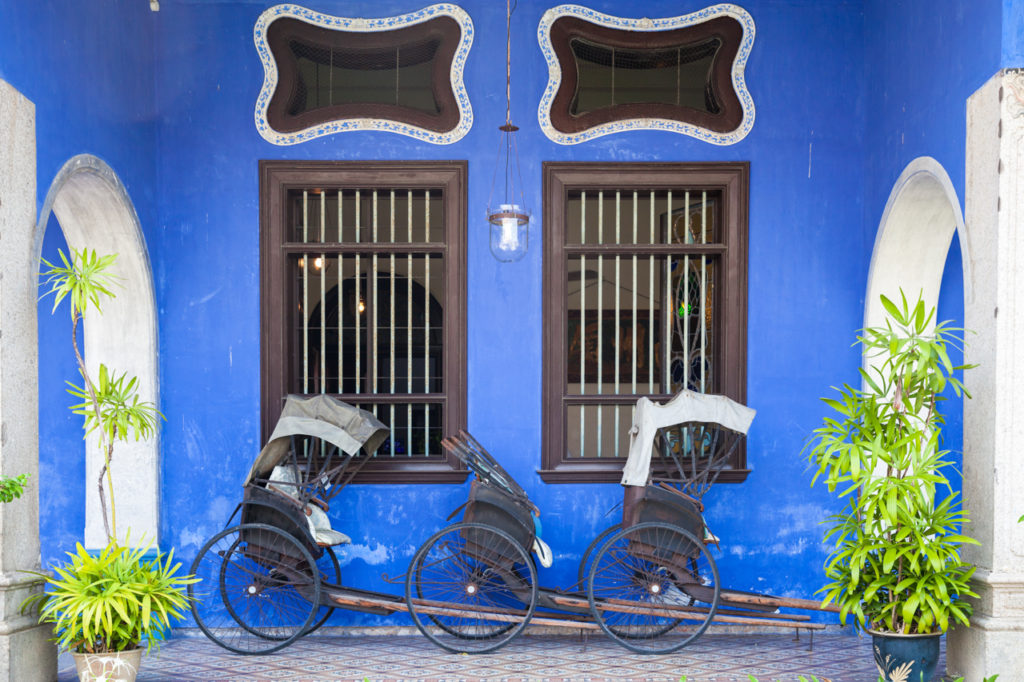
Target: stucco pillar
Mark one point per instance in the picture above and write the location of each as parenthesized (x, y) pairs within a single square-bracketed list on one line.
[(25, 653), (994, 418)]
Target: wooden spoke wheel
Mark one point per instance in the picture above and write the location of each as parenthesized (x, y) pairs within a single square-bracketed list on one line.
[(259, 589), (471, 588), (653, 588)]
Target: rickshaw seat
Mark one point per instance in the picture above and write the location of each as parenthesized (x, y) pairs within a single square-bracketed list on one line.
[(285, 479), (320, 527)]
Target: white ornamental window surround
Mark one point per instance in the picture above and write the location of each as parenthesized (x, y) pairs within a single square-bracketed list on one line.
[(326, 74), (611, 74)]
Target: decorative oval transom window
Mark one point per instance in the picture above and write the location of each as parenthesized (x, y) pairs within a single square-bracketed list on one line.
[(611, 74), (327, 74)]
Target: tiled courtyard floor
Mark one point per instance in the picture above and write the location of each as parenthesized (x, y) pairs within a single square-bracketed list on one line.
[(712, 658)]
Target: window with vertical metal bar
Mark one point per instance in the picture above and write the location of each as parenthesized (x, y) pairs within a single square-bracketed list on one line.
[(363, 276), (645, 295)]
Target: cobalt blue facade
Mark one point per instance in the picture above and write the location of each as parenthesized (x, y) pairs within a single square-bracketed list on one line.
[(847, 93)]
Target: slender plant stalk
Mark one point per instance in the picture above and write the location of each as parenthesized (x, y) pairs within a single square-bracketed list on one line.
[(107, 448), (113, 406)]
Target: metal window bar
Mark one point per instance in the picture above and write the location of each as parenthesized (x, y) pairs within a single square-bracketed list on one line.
[(668, 306), (600, 316), (305, 293), (359, 298), (635, 320), (686, 294), (583, 321), (408, 326), (341, 317), (375, 325), (381, 328), (618, 304), (678, 342), (426, 324), (703, 291), (651, 331), (323, 294), (391, 328)]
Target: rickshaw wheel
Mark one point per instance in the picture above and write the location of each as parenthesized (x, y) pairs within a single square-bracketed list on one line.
[(259, 589), (583, 572), (330, 573), (647, 565), (471, 588)]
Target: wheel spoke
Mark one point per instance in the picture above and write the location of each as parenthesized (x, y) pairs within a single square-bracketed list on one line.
[(637, 569), (481, 570), (259, 589)]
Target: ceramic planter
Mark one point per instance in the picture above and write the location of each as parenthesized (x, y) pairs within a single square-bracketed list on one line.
[(906, 658), (118, 666)]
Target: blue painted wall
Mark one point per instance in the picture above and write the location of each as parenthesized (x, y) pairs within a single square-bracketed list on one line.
[(88, 68), (1013, 34), (924, 60), (847, 93), (808, 266)]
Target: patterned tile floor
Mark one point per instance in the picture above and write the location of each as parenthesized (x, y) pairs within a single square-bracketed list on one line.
[(551, 658)]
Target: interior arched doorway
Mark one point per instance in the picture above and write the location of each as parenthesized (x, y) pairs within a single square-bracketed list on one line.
[(920, 218), (94, 211)]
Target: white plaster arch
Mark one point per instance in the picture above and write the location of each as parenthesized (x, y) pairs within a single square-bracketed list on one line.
[(913, 239), (94, 211)]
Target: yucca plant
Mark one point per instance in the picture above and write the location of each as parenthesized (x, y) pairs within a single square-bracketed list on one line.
[(111, 601), (895, 564)]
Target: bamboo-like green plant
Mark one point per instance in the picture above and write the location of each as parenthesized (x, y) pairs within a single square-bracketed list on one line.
[(111, 405), (106, 602), (110, 601), (895, 563)]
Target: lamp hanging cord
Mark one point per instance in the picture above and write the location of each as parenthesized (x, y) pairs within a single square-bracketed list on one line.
[(508, 61), (507, 145)]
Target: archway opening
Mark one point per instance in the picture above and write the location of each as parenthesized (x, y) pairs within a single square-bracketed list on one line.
[(93, 210), (920, 218), (922, 247)]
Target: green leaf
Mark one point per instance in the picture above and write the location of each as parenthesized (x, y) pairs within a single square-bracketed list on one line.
[(890, 308)]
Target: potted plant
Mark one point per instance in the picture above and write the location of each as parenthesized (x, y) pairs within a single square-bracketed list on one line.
[(103, 605), (895, 563), (106, 603)]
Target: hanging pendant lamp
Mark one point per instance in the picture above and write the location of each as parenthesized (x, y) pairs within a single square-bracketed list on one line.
[(509, 217)]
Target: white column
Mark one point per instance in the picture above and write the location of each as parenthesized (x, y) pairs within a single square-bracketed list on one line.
[(25, 653), (994, 419)]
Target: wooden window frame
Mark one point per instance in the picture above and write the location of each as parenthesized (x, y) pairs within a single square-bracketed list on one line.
[(277, 178), (560, 178)]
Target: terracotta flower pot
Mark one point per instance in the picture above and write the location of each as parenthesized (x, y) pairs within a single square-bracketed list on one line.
[(119, 666), (906, 658)]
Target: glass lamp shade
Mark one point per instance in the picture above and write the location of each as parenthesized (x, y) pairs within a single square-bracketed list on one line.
[(510, 231)]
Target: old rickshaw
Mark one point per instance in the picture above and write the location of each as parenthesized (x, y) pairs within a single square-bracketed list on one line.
[(649, 582)]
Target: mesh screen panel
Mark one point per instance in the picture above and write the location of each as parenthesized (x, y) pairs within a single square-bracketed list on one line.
[(679, 76), (330, 76)]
